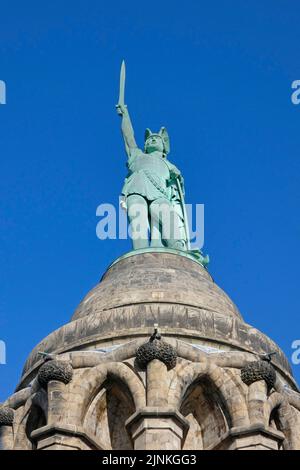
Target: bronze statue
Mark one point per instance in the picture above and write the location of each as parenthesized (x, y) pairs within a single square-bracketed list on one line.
[(153, 191)]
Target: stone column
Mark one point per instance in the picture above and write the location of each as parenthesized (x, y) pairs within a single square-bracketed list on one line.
[(6, 428), (257, 399), (53, 376), (156, 428), (157, 385), (255, 437), (64, 437), (6, 438), (260, 377), (57, 403)]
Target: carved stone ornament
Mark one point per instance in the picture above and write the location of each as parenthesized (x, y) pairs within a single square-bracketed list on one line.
[(258, 370), (156, 349), (61, 371), (6, 416)]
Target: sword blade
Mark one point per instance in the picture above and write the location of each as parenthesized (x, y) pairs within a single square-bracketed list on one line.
[(122, 84)]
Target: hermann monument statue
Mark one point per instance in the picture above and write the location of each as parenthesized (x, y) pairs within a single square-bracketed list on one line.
[(153, 191), (153, 188), (156, 356)]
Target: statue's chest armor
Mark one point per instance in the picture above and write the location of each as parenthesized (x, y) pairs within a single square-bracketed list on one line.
[(152, 163)]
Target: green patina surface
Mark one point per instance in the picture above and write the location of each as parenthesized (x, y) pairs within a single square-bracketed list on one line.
[(153, 191), (194, 255)]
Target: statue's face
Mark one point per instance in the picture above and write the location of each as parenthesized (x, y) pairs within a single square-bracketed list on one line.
[(154, 143)]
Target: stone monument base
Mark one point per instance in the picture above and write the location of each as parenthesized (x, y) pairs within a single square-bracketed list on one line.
[(114, 380)]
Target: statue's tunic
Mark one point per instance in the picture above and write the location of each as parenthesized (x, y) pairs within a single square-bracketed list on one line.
[(148, 175)]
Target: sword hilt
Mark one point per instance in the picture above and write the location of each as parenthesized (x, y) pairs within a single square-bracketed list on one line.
[(121, 109)]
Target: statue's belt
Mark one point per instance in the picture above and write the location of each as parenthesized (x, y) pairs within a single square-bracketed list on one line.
[(152, 180), (155, 183)]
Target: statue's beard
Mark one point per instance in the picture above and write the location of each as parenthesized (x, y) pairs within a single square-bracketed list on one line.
[(150, 149)]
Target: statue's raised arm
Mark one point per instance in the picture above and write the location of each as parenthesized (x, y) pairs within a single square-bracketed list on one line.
[(127, 129)]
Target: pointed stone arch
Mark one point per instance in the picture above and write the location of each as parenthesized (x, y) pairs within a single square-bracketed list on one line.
[(107, 414), (106, 396), (202, 405), (231, 400), (88, 384), (282, 416), (34, 416)]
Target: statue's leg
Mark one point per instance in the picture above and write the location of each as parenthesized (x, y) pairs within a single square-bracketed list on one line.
[(137, 210), (165, 222), (178, 239), (160, 222), (155, 224)]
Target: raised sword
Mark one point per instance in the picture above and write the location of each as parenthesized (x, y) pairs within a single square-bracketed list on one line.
[(121, 102)]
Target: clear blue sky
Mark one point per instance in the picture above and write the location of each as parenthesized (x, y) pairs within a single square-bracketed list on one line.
[(218, 75)]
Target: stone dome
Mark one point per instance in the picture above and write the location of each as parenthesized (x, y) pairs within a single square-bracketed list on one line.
[(155, 357), (146, 277), (152, 286)]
